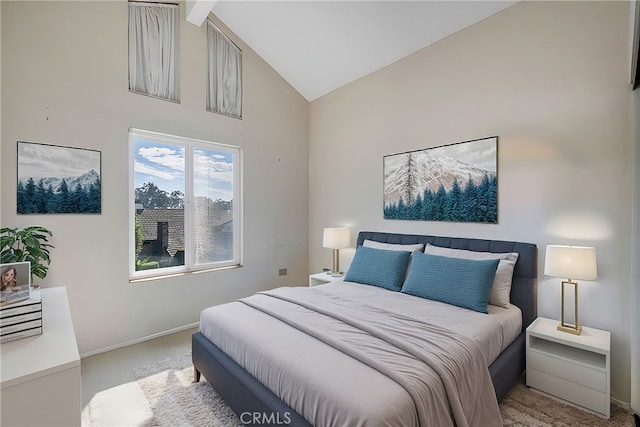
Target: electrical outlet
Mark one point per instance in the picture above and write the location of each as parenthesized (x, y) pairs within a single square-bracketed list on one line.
[(282, 272)]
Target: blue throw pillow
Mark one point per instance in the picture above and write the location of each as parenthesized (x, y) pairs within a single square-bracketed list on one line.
[(457, 281), (378, 267)]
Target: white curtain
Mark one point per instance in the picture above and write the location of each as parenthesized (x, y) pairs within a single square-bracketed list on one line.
[(153, 49), (224, 81)]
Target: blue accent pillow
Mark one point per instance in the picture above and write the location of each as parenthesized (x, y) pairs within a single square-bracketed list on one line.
[(457, 281), (378, 267)]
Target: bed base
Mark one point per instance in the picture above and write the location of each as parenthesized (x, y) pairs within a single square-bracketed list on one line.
[(249, 398), (255, 404)]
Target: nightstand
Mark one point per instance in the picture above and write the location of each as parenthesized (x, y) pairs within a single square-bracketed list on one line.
[(322, 278), (575, 368)]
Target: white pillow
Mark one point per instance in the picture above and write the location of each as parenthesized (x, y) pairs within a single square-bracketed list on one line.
[(393, 246), (501, 288)]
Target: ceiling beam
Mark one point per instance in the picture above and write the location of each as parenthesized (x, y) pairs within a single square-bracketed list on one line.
[(197, 10)]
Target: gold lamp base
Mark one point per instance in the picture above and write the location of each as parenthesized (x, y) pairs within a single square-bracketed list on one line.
[(335, 272), (567, 327), (572, 329)]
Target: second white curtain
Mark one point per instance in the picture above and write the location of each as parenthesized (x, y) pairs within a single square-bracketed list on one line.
[(224, 80)]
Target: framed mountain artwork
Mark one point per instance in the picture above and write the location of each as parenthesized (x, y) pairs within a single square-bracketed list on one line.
[(57, 180), (455, 182)]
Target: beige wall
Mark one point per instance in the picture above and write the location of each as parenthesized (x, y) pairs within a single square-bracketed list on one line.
[(634, 300), (68, 61), (550, 79), (1, 145)]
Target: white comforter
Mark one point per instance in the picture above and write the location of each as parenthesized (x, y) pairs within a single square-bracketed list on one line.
[(348, 354)]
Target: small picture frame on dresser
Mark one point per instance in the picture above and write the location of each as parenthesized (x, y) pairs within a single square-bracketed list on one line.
[(15, 282), (20, 311)]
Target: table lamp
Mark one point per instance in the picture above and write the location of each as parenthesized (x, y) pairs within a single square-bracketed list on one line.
[(570, 262), (336, 239)]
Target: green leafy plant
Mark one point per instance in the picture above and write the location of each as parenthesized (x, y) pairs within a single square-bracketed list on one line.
[(27, 244)]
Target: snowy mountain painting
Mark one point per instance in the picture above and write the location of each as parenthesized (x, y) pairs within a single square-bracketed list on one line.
[(55, 179), (456, 182)]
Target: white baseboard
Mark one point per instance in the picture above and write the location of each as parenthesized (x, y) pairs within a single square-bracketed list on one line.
[(139, 340), (620, 403)]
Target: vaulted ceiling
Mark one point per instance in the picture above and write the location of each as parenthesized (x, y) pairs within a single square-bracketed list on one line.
[(321, 45)]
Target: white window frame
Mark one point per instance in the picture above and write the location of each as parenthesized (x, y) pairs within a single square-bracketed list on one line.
[(189, 267)]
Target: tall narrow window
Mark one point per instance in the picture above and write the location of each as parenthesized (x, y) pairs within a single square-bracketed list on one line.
[(224, 82), (185, 204), (153, 49)]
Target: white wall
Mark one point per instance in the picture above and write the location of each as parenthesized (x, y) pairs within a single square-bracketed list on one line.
[(634, 301), (551, 80), (1, 112), (68, 61)]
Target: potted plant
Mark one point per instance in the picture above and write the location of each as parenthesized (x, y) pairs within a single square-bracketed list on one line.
[(27, 244)]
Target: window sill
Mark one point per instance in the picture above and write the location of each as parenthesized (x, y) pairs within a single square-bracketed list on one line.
[(182, 273)]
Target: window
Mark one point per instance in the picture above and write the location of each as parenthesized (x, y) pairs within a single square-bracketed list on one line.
[(224, 80), (185, 204), (153, 49)]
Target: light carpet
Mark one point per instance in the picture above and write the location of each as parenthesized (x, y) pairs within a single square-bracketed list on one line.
[(164, 395)]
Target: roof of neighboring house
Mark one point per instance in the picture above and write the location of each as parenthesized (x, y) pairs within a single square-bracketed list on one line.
[(210, 222), (149, 219)]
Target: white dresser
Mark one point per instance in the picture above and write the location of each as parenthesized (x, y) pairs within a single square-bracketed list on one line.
[(40, 375), (575, 368)]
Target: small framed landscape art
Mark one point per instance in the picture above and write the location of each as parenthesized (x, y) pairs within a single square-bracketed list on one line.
[(456, 182), (54, 179)]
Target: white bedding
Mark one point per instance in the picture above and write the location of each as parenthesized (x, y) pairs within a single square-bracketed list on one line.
[(329, 387)]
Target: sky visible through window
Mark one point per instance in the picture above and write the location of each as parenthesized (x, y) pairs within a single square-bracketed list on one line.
[(164, 165)]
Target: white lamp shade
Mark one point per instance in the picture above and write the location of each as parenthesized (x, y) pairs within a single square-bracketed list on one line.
[(571, 262), (336, 238)]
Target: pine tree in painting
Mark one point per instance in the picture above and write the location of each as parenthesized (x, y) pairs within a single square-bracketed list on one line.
[(411, 182), (64, 198), (453, 204), (469, 204), (470, 208)]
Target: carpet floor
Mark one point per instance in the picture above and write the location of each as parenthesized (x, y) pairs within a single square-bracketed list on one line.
[(165, 396)]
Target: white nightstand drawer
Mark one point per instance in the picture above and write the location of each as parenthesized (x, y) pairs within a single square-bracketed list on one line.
[(323, 278), (576, 393), (575, 368), (584, 375)]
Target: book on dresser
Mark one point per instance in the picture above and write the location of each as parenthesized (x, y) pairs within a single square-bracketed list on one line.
[(20, 320)]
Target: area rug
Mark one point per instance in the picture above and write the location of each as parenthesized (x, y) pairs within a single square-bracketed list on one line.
[(177, 401), (174, 400), (523, 406)]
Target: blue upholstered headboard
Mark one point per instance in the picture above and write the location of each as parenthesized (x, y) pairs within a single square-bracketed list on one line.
[(524, 288)]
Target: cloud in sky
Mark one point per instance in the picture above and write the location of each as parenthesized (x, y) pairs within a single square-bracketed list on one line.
[(164, 164), (163, 157)]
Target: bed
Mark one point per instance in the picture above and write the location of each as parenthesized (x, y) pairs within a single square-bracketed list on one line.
[(347, 378)]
